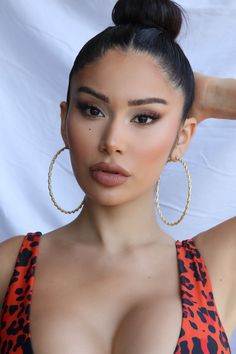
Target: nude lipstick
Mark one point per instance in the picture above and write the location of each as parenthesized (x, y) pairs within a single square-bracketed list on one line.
[(109, 174)]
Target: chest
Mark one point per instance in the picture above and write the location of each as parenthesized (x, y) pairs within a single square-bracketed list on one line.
[(95, 312)]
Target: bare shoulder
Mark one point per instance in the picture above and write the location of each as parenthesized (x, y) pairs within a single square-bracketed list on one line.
[(220, 240), (217, 247), (9, 250)]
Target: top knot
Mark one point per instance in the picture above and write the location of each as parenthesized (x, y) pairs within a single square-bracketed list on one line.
[(163, 14)]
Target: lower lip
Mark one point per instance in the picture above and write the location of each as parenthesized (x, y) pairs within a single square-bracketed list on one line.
[(108, 179)]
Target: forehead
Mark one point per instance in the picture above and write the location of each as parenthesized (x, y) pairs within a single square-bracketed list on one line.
[(128, 75)]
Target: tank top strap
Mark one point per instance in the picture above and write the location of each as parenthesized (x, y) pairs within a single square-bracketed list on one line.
[(14, 321), (22, 278), (25, 263), (194, 274), (200, 320)]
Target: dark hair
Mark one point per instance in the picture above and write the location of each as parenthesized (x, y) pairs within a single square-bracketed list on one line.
[(149, 26)]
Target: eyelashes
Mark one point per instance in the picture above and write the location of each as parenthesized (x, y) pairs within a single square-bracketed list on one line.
[(84, 107), (90, 111)]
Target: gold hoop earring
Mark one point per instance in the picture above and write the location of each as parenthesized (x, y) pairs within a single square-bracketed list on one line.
[(50, 185), (188, 198)]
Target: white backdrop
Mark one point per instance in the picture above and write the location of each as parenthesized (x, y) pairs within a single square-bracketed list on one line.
[(39, 41)]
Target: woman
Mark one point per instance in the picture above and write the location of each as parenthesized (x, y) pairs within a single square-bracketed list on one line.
[(112, 281)]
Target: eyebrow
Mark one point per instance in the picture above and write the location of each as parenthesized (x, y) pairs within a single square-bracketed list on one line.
[(137, 102)]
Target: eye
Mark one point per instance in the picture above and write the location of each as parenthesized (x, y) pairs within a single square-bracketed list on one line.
[(89, 110), (145, 116)]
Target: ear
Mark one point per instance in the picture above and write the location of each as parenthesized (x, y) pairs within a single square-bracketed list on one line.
[(185, 135), (63, 108)]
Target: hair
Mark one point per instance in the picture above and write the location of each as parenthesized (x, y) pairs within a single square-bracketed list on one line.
[(148, 26)]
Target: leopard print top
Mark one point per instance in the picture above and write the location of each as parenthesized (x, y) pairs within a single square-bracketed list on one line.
[(201, 329)]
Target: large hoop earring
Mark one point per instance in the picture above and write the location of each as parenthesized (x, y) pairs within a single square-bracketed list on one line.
[(188, 198), (50, 185)]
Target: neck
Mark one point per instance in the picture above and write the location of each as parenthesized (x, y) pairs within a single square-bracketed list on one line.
[(123, 227)]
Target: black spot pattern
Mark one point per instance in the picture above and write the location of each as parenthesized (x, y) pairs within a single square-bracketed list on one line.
[(201, 330), (14, 320)]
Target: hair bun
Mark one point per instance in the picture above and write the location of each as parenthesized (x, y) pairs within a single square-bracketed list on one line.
[(155, 13)]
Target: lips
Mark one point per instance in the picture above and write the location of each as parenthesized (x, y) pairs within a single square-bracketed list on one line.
[(110, 167)]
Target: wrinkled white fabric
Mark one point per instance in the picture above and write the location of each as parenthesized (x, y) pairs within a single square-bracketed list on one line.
[(39, 41)]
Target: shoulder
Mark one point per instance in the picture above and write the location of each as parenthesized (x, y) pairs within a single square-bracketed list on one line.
[(219, 243), (9, 250), (217, 247), (219, 240)]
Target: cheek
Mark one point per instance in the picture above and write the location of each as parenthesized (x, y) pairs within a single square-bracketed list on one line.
[(79, 136), (156, 148), (82, 146), (152, 152), (152, 155), (150, 161)]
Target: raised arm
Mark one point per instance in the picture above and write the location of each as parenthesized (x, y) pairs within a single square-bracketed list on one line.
[(214, 98)]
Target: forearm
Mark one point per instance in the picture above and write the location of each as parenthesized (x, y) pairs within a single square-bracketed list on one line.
[(220, 98)]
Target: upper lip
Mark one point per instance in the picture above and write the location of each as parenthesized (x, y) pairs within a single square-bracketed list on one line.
[(110, 167)]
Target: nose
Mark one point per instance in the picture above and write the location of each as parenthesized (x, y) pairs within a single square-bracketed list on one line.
[(112, 139)]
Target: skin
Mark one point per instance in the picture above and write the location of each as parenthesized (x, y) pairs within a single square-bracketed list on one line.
[(102, 275), (129, 258), (214, 97), (115, 135)]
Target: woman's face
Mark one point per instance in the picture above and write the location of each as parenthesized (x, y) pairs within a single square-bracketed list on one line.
[(108, 122)]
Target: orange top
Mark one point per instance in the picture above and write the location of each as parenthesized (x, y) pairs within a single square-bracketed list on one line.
[(201, 329)]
